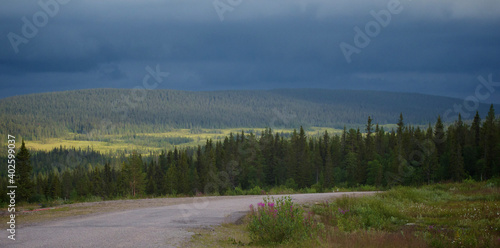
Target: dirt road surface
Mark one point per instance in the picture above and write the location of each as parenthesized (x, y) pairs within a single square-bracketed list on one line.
[(158, 226)]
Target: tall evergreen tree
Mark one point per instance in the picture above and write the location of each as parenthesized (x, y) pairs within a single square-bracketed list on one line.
[(476, 129), (134, 175), (23, 176), (183, 174), (439, 136), (369, 143), (489, 143)]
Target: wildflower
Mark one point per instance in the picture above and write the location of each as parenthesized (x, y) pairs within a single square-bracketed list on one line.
[(270, 204), (260, 204)]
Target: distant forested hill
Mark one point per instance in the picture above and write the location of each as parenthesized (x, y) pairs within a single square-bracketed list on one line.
[(118, 110)]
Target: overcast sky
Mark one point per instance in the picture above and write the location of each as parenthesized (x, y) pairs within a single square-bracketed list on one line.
[(427, 46)]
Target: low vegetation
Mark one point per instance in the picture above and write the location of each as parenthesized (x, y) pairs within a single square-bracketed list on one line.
[(441, 215), (279, 220), (146, 142)]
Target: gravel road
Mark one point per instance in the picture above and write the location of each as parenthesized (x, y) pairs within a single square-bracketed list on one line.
[(164, 226)]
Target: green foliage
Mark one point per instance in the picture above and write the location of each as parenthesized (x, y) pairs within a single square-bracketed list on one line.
[(267, 160), (256, 191), (133, 175), (23, 178), (290, 183), (279, 220), (443, 215), (350, 214)]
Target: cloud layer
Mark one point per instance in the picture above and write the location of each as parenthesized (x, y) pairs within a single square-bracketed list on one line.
[(432, 47)]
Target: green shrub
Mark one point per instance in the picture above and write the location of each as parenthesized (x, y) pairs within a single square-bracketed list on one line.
[(366, 188), (349, 214), (290, 183), (238, 191), (281, 190), (256, 191), (308, 191), (279, 220)]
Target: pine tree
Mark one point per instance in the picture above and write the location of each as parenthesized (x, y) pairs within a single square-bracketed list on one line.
[(476, 129), (456, 159), (304, 172), (430, 163), (400, 129), (23, 176), (172, 180), (109, 184), (369, 143), (439, 136), (67, 184), (158, 179), (351, 165), (133, 174), (183, 174), (489, 143), (375, 173), (328, 170), (54, 189)]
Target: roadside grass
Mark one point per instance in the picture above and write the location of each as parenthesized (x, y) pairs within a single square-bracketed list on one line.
[(463, 214), (442, 215)]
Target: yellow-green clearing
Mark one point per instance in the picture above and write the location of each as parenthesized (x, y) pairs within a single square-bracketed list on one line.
[(146, 142)]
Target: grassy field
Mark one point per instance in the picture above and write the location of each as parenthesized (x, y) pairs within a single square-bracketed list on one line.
[(145, 142), (443, 215)]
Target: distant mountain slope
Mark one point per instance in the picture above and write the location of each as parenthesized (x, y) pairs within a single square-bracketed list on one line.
[(54, 114)]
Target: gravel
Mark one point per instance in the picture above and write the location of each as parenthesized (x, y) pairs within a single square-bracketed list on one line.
[(162, 222)]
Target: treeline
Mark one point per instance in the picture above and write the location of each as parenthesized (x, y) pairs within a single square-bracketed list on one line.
[(407, 155), (98, 112)]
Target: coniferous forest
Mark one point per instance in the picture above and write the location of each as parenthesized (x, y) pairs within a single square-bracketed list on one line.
[(406, 155), (55, 114)]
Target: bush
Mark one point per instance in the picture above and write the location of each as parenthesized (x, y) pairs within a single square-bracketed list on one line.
[(36, 198), (256, 191), (351, 214), (281, 190), (290, 183), (366, 188), (279, 220)]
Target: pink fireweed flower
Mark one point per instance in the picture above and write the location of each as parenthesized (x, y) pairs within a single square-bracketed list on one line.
[(343, 211), (260, 204), (270, 204)]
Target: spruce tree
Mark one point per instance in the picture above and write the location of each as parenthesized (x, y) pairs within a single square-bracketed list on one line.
[(439, 136), (489, 142), (133, 174), (23, 176), (456, 159), (328, 171), (369, 143), (476, 129), (183, 174)]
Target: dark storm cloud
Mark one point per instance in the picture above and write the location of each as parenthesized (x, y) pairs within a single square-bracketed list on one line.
[(434, 47)]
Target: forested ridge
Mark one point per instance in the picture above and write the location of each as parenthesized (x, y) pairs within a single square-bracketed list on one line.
[(406, 155), (119, 111)]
